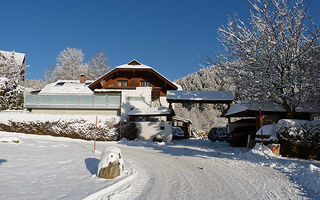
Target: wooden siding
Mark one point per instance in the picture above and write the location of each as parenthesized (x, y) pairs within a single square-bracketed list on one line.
[(134, 78)]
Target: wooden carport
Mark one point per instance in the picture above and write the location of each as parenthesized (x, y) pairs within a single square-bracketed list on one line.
[(272, 112)]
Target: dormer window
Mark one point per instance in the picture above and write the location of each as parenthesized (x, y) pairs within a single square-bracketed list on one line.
[(122, 83), (144, 84), (60, 84)]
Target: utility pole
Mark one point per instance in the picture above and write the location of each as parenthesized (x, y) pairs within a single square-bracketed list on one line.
[(95, 135), (261, 122)]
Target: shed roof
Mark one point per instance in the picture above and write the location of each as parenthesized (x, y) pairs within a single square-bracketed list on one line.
[(246, 109), (150, 111), (200, 96)]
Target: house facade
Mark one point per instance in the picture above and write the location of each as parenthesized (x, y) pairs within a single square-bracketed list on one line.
[(20, 59), (139, 85), (126, 87)]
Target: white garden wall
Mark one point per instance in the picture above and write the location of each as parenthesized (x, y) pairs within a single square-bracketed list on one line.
[(147, 130)]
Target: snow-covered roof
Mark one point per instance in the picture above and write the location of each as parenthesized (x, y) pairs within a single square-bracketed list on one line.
[(150, 111), (19, 57), (178, 86), (134, 64), (267, 107), (204, 96), (67, 87)]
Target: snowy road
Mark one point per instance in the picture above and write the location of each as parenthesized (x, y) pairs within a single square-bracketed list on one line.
[(183, 172), (42, 167)]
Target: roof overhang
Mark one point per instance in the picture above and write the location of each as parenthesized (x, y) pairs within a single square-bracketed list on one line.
[(181, 96), (132, 68), (151, 111), (252, 109)]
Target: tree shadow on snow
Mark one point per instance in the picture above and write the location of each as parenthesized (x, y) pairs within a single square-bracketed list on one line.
[(92, 165), (206, 149), (2, 161)]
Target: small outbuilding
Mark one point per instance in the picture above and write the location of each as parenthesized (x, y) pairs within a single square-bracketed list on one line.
[(152, 121)]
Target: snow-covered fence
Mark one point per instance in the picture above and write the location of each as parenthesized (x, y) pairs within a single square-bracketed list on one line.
[(299, 138), (74, 126)]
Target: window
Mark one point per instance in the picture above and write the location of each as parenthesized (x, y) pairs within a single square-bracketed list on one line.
[(144, 83), (122, 83), (60, 84)]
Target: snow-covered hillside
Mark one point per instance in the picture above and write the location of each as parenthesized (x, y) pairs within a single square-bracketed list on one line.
[(46, 167), (204, 116)]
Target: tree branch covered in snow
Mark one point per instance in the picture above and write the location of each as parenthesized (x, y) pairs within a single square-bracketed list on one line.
[(11, 94), (70, 65), (275, 57), (97, 66)]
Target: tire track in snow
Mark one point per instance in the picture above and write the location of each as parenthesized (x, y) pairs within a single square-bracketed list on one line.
[(165, 176)]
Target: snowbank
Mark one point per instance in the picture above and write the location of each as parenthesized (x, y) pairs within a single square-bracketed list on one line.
[(74, 126), (305, 173)]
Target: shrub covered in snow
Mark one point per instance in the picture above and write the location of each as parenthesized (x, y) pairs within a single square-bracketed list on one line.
[(299, 138), (111, 163), (11, 95), (74, 126)]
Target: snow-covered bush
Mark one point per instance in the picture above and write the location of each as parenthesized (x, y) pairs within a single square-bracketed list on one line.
[(111, 163), (300, 138), (74, 126), (11, 95)]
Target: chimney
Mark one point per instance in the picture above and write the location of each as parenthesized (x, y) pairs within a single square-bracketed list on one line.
[(83, 78)]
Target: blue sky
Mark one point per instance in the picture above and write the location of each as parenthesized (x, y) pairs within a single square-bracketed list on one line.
[(169, 35)]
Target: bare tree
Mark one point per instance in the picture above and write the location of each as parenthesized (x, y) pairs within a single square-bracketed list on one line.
[(273, 57), (50, 74), (69, 64), (97, 66)]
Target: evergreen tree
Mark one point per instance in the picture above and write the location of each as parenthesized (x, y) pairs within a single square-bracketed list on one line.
[(11, 94)]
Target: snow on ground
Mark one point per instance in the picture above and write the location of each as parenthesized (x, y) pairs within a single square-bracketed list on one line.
[(303, 172), (45, 167)]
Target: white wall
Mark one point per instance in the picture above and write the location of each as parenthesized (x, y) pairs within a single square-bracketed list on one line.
[(129, 99), (147, 130), (163, 102)]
